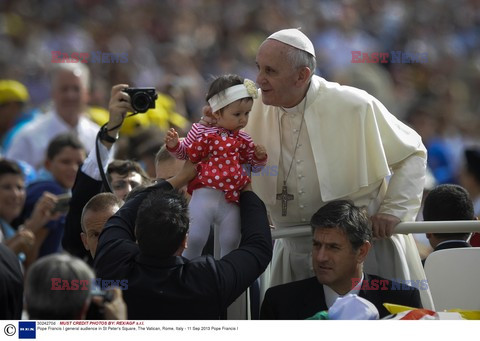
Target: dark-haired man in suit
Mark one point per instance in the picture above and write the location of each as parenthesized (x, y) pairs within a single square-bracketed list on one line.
[(448, 202), (341, 241)]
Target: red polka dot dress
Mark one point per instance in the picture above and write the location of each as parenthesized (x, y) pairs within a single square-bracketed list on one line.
[(220, 156)]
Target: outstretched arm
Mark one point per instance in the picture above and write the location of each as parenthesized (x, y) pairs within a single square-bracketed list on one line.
[(179, 148), (88, 182)]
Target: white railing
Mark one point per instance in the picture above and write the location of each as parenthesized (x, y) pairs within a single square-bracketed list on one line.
[(402, 228)]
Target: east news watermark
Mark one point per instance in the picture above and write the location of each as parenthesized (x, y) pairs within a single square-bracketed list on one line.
[(393, 57), (86, 284), (385, 284), (95, 57)]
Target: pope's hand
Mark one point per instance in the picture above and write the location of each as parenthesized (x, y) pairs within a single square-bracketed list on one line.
[(383, 225)]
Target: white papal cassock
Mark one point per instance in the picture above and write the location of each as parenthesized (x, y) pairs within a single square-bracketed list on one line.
[(350, 147)]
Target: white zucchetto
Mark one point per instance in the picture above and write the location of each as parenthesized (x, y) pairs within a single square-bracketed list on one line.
[(294, 37)]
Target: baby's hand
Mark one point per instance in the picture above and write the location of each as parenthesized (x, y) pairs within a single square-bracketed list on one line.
[(260, 152), (171, 139)]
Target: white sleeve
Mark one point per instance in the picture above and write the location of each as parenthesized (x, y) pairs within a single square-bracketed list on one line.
[(405, 188), (90, 166), (19, 149)]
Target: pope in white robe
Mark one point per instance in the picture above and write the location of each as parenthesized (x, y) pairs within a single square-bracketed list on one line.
[(349, 146)]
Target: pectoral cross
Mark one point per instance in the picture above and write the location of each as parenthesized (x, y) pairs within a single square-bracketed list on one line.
[(285, 197)]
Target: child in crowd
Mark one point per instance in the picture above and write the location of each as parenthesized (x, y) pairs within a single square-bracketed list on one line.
[(219, 153)]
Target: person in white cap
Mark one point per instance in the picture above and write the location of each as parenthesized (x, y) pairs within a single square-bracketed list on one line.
[(332, 142)]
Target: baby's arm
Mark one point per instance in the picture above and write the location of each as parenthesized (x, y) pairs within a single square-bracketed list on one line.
[(179, 148), (256, 156), (199, 149), (260, 152), (171, 139)]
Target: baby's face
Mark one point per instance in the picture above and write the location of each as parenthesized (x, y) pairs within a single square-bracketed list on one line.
[(235, 115)]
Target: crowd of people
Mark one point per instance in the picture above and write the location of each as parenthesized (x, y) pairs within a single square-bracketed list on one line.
[(349, 159)]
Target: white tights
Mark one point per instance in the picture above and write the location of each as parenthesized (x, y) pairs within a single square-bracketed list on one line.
[(208, 206)]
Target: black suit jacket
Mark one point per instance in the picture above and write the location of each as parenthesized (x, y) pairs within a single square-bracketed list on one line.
[(302, 299), (449, 245), (83, 190), (11, 285), (176, 288), (452, 245)]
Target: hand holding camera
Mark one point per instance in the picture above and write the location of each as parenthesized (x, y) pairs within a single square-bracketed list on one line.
[(124, 99)]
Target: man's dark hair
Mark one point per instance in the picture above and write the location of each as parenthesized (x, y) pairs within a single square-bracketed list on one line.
[(448, 202), (10, 167), (343, 214), (123, 167), (61, 141), (162, 223)]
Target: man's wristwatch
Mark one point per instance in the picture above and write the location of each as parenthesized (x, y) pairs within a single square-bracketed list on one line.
[(105, 137)]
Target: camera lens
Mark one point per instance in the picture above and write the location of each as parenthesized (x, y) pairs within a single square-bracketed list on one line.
[(141, 102)]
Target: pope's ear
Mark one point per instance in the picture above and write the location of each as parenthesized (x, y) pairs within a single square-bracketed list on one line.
[(304, 75)]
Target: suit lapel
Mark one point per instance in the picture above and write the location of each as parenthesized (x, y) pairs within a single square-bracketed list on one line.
[(314, 299)]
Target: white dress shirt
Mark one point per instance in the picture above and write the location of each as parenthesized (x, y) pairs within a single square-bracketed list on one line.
[(31, 142)]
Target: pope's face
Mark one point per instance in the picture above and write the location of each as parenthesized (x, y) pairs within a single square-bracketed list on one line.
[(278, 79)]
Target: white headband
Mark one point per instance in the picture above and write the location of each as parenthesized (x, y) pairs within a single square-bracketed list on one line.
[(233, 93)]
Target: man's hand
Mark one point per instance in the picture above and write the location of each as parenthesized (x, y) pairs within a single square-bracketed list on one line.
[(42, 212), (118, 107), (22, 241), (383, 225), (171, 139), (260, 152), (207, 118), (117, 308)]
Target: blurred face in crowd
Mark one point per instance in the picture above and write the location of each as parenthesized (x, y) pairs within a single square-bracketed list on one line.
[(92, 224), (335, 262), (64, 165), (167, 169), (281, 83), (123, 184), (12, 196), (69, 94)]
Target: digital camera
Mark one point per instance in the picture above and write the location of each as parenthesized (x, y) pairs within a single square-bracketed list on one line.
[(142, 99)]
